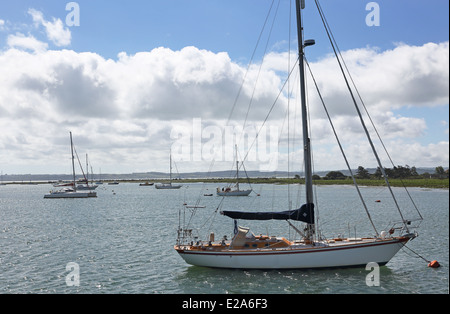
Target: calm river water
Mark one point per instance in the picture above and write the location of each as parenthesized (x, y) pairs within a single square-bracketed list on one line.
[(122, 242)]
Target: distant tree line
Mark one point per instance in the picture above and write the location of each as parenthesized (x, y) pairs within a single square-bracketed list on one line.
[(397, 172)]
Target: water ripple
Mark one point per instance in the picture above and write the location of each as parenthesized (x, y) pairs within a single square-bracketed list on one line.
[(123, 243)]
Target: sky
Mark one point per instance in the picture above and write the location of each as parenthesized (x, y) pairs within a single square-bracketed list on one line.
[(136, 81)]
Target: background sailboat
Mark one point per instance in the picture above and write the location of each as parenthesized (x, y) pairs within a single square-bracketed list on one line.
[(170, 185), (1, 179), (85, 185), (70, 192), (229, 191)]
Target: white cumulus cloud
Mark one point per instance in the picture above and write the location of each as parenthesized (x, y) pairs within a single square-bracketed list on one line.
[(123, 111), (55, 30), (21, 41)]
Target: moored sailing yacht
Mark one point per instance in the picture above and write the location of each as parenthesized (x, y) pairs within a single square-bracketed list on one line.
[(228, 191), (70, 191), (84, 184), (170, 185), (247, 251)]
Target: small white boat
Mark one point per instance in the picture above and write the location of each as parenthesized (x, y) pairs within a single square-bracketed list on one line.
[(62, 184), (195, 206), (167, 186), (230, 192), (86, 187)]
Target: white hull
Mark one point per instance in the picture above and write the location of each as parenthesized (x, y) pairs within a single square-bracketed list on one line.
[(71, 195), (167, 187), (86, 187), (235, 193), (301, 257)]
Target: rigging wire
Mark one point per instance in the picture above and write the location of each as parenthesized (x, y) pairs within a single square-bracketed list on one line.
[(235, 103), (249, 66), (250, 63), (271, 109), (81, 167), (257, 78), (405, 222), (341, 148), (260, 67), (366, 110)]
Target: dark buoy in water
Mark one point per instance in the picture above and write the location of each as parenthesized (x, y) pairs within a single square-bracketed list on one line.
[(434, 264)]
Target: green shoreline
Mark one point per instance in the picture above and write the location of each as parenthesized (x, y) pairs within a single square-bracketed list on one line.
[(421, 183)]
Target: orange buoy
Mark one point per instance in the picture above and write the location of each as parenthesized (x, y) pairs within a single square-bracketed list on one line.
[(434, 264)]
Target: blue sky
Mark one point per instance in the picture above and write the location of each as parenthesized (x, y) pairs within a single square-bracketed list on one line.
[(109, 28)]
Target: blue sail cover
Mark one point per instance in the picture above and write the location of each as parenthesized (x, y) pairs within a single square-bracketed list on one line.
[(304, 214)]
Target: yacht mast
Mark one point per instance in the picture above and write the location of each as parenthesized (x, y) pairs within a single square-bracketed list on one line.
[(73, 163), (300, 4), (170, 161), (237, 169)]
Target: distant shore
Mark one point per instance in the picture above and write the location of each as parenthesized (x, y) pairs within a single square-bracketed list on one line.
[(421, 183)]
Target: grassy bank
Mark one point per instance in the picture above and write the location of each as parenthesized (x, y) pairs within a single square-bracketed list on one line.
[(423, 183)]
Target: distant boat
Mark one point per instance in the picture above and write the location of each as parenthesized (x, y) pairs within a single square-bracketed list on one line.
[(1, 179), (234, 192), (146, 184), (62, 184), (99, 182), (230, 192), (168, 186), (86, 187), (195, 206), (84, 184), (113, 183), (70, 192)]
